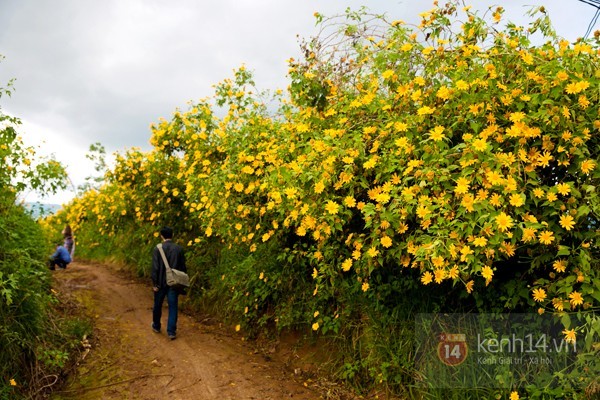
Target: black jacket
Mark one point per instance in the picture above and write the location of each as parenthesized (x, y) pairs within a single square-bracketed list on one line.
[(175, 257)]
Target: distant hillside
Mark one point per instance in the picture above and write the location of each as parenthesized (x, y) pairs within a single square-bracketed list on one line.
[(40, 209)]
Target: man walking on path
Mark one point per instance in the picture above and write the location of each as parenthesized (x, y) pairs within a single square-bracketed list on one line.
[(176, 260)]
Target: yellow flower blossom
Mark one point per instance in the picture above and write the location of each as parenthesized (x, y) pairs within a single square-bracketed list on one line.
[(546, 237), (539, 295), (462, 185), (425, 110), (570, 335), (575, 299), (504, 221), (365, 286), (558, 304), (487, 273), (332, 207), (516, 200), (386, 241), (319, 187), (480, 241), (469, 286), (347, 264), (315, 326), (559, 265), (588, 166), (514, 395), (426, 278), (567, 222), (436, 134), (439, 275), (372, 252), (539, 193), (563, 189)]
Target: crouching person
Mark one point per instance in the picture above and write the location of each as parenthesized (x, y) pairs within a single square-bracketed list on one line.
[(60, 258)]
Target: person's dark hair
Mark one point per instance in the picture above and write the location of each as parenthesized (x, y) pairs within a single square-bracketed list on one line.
[(166, 232), (67, 231)]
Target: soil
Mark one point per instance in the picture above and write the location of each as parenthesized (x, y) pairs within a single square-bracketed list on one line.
[(127, 360)]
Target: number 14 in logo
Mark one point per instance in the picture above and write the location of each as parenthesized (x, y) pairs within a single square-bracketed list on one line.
[(452, 349)]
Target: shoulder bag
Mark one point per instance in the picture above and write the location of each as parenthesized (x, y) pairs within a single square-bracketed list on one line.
[(175, 277)]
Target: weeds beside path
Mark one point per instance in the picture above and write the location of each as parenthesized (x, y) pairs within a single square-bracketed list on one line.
[(128, 361)]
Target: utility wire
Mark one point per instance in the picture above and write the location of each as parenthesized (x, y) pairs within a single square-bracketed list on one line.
[(596, 4), (592, 23)]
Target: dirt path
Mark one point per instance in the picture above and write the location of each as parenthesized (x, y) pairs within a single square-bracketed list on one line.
[(129, 361)]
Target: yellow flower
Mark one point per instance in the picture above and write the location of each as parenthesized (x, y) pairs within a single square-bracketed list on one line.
[(563, 188), (453, 273), (576, 299), (539, 295), (319, 187), (516, 200), (469, 286), (316, 314), (570, 335), (349, 201), (567, 222), (439, 275), (480, 241), (315, 326), (558, 304), (332, 207), (462, 185), (539, 193), (503, 221), (551, 197), (487, 273), (238, 327), (13, 382), (372, 252), (347, 264), (365, 286), (462, 85), (516, 116), (386, 241), (588, 166), (546, 237), (496, 200), (514, 395), (436, 133), (559, 265), (480, 144), (426, 278), (425, 110)]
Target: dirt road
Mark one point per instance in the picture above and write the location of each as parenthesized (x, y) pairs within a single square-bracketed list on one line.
[(128, 360)]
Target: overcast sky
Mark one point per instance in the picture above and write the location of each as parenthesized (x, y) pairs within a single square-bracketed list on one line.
[(102, 71)]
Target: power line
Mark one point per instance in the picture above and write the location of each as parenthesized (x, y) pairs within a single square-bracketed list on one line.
[(596, 4)]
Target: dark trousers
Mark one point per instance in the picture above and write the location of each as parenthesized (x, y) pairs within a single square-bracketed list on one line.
[(172, 298), (53, 262)]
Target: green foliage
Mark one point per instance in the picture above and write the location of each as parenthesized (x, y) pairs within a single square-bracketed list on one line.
[(29, 335)]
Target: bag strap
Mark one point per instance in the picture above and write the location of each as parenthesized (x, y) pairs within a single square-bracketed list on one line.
[(162, 254)]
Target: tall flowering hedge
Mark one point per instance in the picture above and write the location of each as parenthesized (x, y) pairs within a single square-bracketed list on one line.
[(457, 156)]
